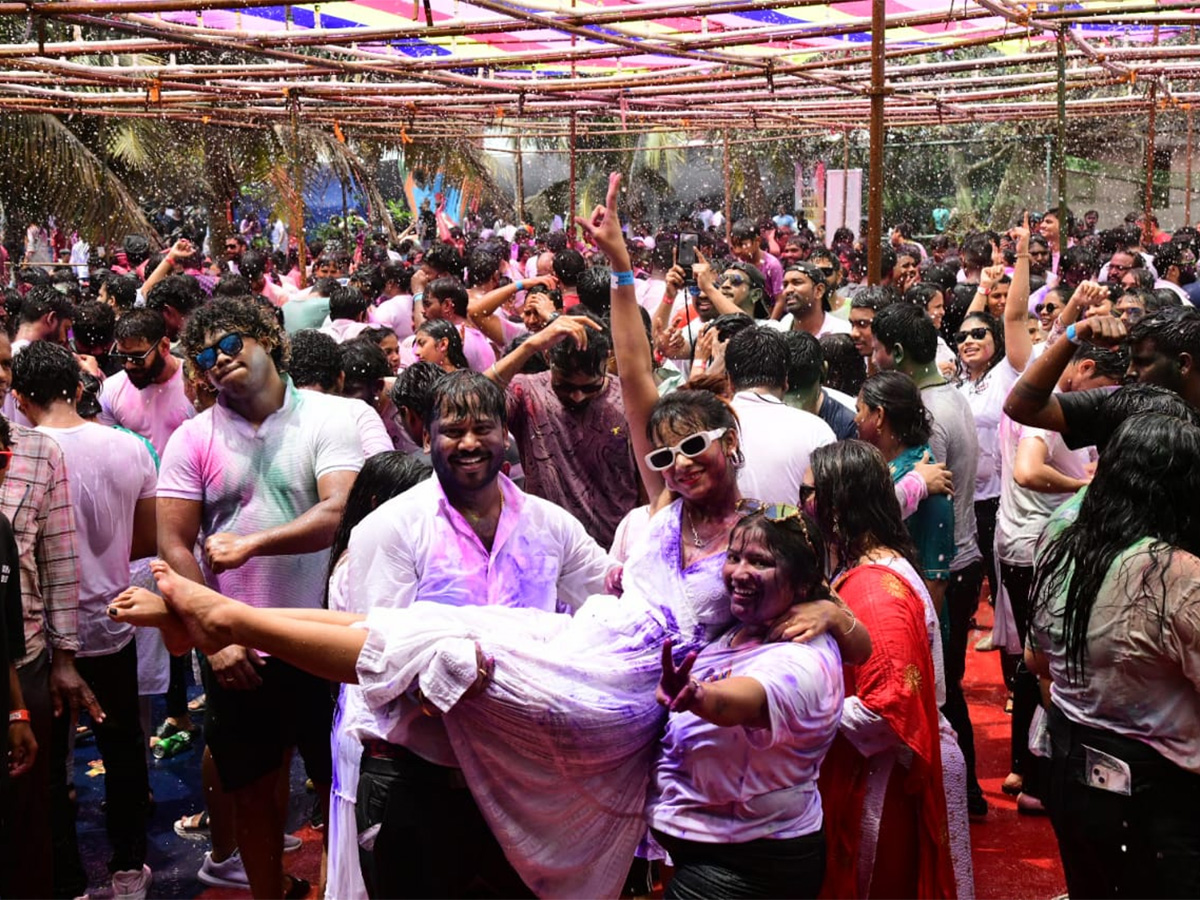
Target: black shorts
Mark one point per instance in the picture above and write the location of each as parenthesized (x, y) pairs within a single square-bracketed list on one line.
[(250, 732)]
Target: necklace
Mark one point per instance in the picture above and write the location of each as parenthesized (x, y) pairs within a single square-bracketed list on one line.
[(696, 535)]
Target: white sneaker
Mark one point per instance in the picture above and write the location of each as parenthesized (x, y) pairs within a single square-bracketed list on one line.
[(131, 884), (291, 843), (229, 873)]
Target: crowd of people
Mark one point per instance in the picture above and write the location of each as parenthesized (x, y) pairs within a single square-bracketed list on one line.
[(576, 560)]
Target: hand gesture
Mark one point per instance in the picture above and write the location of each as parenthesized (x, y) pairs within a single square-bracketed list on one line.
[(547, 281), (677, 690), (704, 346), (1089, 294), (224, 551), (706, 278), (541, 304), (182, 249), (937, 477), (804, 621), (574, 328), (1103, 331), (1020, 234), (603, 227), (670, 343), (990, 276), (676, 278)]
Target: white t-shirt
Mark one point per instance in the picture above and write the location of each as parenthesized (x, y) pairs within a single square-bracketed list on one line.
[(986, 398), (1024, 512), (249, 480), (830, 325), (736, 784), (109, 472), (154, 412), (371, 431), (777, 441)]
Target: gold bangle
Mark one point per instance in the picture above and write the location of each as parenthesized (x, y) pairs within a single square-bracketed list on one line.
[(853, 619)]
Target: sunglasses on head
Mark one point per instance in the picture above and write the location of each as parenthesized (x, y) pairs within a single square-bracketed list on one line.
[(1045, 307), (691, 447), (975, 334), (138, 359), (230, 345), (779, 513)]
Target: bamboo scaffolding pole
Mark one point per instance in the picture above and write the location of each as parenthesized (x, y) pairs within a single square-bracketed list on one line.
[(878, 136), (1187, 195), (726, 170), (1060, 143)]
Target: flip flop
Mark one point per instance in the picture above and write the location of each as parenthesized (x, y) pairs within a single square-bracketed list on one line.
[(193, 827), (198, 704)]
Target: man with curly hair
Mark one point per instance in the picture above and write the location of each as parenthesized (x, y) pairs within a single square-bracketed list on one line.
[(264, 475)]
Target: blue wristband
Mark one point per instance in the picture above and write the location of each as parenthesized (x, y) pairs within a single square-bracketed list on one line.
[(1070, 334), (622, 279), (520, 285)]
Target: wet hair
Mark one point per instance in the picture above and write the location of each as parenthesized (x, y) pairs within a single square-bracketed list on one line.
[(44, 300), (399, 274), (444, 258), (232, 285), (874, 297), (568, 266), (140, 324), (996, 327), (482, 266), (449, 288), (595, 289), (1079, 257), (44, 372), (383, 476), (316, 359), (900, 399), (977, 250), (252, 264), (806, 360), (88, 405), (137, 249), (687, 411), (535, 363), (441, 330), (729, 324), (369, 280), (887, 260), (244, 315), (798, 549), (1167, 255), (744, 230), (856, 503), (757, 357), (1110, 362), (921, 294), (180, 292), (93, 323), (567, 359), (347, 302), (466, 394), (1173, 331), (1136, 399), (123, 289), (413, 387), (845, 371), (910, 327), (1145, 487), (362, 361)]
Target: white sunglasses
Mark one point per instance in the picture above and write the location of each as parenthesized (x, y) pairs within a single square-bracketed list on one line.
[(691, 447)]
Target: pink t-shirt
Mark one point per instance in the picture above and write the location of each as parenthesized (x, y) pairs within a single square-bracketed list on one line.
[(154, 412)]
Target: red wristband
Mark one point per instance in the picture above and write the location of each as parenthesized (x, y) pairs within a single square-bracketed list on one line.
[(18, 715)]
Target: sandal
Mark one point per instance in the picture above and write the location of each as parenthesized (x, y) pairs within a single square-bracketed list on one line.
[(198, 704), (193, 827)]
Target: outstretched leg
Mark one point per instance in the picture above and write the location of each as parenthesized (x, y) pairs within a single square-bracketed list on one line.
[(315, 640), (138, 606)]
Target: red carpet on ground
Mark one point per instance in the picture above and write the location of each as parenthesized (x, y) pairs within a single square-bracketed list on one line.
[(1015, 855)]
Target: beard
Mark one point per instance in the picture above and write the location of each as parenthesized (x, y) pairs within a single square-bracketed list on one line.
[(145, 376)]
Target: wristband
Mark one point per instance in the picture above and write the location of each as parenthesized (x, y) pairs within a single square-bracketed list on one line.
[(418, 296), (520, 285), (18, 715), (1070, 334), (622, 279)]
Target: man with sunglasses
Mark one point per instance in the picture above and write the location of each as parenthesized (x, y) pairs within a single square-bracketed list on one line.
[(115, 524), (570, 424), (264, 475), (147, 396)]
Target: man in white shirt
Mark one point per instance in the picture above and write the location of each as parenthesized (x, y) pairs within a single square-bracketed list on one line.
[(804, 290), (466, 537), (147, 396), (264, 474), (776, 439), (112, 479)]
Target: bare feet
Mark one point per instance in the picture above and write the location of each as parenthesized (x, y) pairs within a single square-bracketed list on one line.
[(138, 606), (203, 612)]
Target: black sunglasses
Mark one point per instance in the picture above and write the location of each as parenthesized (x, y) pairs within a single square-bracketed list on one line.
[(735, 280), (138, 359), (230, 345), (975, 334), (1045, 307)]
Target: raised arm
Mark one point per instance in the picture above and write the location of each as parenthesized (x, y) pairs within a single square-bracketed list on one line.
[(635, 362), (573, 327), (1018, 345)]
